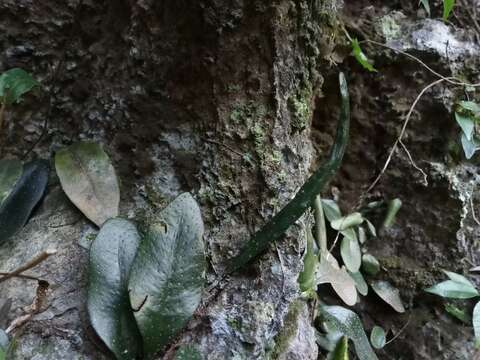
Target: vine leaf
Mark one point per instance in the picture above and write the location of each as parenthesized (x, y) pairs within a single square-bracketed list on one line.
[(88, 178), (167, 275), (10, 172), (275, 228), (27, 192), (349, 324), (389, 294), (14, 83), (108, 302)]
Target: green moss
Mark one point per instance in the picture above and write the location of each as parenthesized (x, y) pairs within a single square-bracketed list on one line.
[(301, 107), (289, 330)]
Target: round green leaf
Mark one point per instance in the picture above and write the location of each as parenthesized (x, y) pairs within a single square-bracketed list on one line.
[(389, 294), (10, 173), (370, 264), (108, 302), (88, 178), (377, 337), (351, 254), (167, 275), (27, 192)]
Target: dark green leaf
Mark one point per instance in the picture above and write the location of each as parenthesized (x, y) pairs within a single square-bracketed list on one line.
[(17, 207), (306, 279), (13, 84), (453, 290), (467, 124), (187, 352), (341, 350), (348, 221), (389, 294), (10, 173), (460, 314), (360, 283), (361, 57), (370, 264), (476, 324), (447, 8), (108, 302), (426, 5), (349, 324), (377, 337), (167, 275), (276, 227), (88, 178), (351, 254), (392, 210)]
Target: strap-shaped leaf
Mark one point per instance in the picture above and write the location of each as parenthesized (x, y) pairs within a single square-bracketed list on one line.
[(349, 324), (167, 275), (10, 172), (108, 302), (27, 192), (88, 178)]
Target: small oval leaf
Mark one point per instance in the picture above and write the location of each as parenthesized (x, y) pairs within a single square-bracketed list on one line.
[(108, 302), (351, 254), (27, 192), (370, 264), (10, 172), (378, 337), (167, 275), (389, 294), (88, 178)]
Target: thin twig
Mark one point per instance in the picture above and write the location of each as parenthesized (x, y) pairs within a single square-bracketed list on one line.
[(401, 330), (473, 210), (32, 263), (425, 179), (21, 276)]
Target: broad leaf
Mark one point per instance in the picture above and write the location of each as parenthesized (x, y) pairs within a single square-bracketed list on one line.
[(389, 294), (187, 352), (469, 146), (470, 106), (10, 173), (88, 178), (476, 324), (13, 84), (351, 254), (447, 8), (348, 221), (108, 302), (167, 275), (453, 290), (360, 283), (370, 264), (27, 192), (331, 210), (349, 324), (458, 278), (306, 279), (426, 5), (361, 57), (467, 124), (341, 350), (377, 337), (330, 273)]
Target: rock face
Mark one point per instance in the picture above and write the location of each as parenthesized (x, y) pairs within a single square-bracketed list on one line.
[(235, 101)]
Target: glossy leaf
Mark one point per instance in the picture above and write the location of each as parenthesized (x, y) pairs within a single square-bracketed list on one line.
[(341, 350), (167, 275), (447, 8), (88, 178), (10, 172), (360, 283), (351, 254), (467, 124), (378, 337), (108, 302), (276, 227), (15, 210), (349, 324), (330, 273), (361, 57), (14, 83), (187, 352), (426, 5), (476, 324), (389, 294), (392, 209), (370, 264), (306, 278), (453, 290)]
